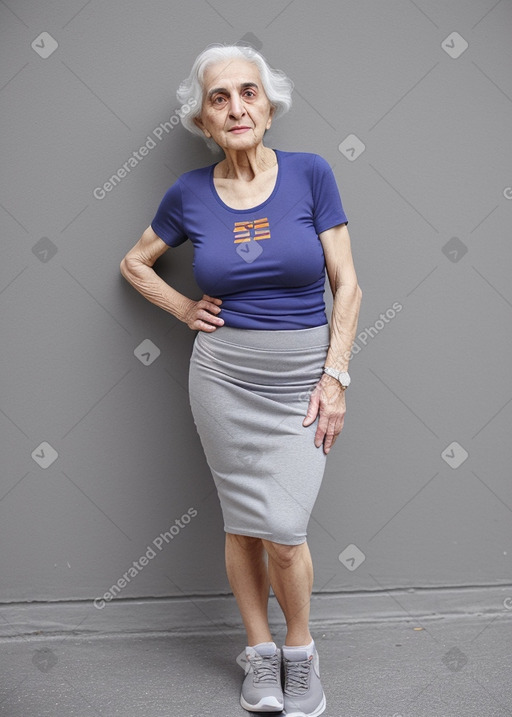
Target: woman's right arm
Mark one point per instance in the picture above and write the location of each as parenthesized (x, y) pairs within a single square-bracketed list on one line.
[(137, 269)]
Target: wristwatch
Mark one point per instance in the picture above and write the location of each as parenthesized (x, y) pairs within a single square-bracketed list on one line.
[(341, 376)]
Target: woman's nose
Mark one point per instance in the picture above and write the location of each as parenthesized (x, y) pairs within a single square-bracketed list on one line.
[(237, 108)]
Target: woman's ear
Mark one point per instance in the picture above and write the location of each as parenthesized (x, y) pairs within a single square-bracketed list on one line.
[(271, 114)]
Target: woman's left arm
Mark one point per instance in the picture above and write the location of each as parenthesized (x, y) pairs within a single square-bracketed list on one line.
[(328, 399)]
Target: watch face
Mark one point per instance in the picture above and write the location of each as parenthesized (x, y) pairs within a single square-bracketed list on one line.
[(341, 376)]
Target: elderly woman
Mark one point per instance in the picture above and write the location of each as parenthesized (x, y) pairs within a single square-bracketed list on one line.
[(267, 372)]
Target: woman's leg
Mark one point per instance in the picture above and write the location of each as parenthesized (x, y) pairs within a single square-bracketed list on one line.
[(291, 576), (247, 573), (290, 572)]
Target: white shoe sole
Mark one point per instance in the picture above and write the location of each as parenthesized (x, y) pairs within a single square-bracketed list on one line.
[(319, 710), (266, 704)]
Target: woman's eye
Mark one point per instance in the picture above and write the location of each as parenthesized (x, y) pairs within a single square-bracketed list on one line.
[(219, 100)]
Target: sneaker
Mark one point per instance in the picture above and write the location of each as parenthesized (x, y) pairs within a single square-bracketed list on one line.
[(303, 693), (261, 689)]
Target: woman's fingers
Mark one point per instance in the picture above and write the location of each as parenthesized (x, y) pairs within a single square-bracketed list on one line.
[(328, 431), (204, 326), (203, 314), (328, 403), (212, 299), (314, 403)]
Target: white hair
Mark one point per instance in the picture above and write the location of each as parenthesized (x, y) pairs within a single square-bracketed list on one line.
[(277, 86)]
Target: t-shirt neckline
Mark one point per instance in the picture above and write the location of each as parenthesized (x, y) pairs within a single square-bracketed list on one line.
[(258, 206)]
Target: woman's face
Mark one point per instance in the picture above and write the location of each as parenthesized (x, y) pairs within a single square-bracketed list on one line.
[(235, 110)]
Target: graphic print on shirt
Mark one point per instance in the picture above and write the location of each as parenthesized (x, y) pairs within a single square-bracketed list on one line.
[(256, 229)]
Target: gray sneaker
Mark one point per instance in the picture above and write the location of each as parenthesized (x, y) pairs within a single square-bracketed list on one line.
[(261, 689), (303, 693)]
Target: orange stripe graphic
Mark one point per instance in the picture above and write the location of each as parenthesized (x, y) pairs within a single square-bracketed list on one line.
[(242, 230)]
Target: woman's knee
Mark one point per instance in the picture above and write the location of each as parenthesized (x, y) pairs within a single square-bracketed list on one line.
[(283, 555)]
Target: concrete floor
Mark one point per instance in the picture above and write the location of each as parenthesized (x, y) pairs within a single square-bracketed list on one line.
[(447, 668)]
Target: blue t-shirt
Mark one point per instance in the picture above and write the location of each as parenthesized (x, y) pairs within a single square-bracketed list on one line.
[(265, 263)]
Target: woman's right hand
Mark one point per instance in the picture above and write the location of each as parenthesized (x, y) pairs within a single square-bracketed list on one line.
[(202, 315), (137, 269)]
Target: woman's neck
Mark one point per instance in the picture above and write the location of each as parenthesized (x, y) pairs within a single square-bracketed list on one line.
[(246, 164)]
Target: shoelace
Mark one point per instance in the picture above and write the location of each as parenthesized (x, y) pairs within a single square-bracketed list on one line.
[(265, 669), (297, 676)]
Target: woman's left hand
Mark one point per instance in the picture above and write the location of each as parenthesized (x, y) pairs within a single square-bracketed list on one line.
[(328, 403)]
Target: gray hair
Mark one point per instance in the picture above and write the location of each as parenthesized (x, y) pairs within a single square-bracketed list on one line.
[(278, 87)]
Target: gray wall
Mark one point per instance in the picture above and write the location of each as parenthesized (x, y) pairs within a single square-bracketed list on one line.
[(419, 482)]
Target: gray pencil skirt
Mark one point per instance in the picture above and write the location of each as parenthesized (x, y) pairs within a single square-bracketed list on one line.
[(249, 392)]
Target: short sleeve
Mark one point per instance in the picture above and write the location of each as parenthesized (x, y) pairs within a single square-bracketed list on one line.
[(168, 220), (328, 210)]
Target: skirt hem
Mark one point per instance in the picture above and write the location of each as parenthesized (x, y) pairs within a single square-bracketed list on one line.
[(270, 538)]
